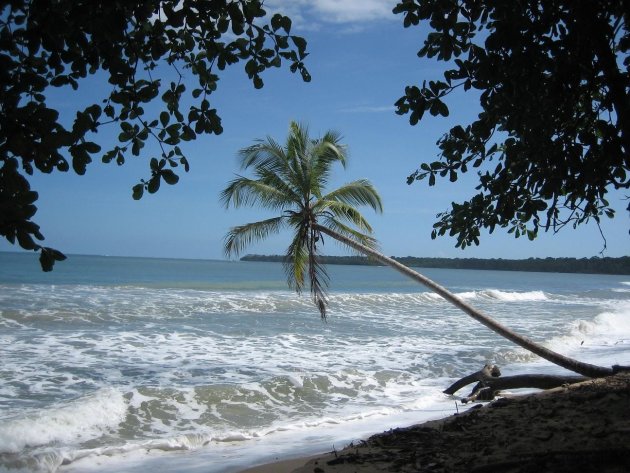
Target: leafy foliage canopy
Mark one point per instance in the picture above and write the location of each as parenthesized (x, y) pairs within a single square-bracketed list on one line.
[(553, 133), (47, 44)]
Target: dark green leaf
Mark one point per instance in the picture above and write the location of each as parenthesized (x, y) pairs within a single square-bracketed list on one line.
[(91, 147), (154, 184), (164, 118), (300, 43), (25, 241), (138, 190), (169, 176), (48, 257)]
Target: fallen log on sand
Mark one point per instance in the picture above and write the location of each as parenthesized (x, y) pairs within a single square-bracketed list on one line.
[(490, 382)]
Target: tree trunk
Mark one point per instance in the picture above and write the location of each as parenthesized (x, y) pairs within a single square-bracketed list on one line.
[(537, 381), (585, 369), (487, 372), (489, 383)]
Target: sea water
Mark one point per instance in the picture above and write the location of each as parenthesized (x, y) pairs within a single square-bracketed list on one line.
[(130, 364)]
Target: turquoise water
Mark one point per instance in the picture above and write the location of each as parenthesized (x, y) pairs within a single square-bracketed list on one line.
[(183, 365)]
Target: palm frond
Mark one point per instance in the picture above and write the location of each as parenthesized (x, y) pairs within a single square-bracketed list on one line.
[(243, 235), (318, 277), (298, 149), (344, 212), (325, 152), (271, 178), (270, 158), (298, 139), (296, 261), (359, 192), (243, 191), (303, 260), (329, 149), (264, 154), (364, 238)]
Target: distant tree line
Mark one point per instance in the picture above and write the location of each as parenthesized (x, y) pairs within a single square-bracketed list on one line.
[(592, 265)]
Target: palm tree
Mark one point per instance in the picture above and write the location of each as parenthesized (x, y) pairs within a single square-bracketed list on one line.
[(291, 180)]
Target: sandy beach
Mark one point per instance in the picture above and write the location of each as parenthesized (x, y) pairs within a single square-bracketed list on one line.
[(583, 427)]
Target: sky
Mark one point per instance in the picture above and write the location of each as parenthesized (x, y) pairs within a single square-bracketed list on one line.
[(361, 58)]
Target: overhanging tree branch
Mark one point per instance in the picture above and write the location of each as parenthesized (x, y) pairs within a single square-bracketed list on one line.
[(553, 80), (52, 45)]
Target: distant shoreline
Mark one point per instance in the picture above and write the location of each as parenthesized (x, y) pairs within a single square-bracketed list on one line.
[(594, 265)]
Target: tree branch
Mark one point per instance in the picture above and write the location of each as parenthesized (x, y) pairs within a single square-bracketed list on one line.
[(489, 383)]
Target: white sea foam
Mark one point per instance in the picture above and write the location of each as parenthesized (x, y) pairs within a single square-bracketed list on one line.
[(516, 296), (76, 421), (603, 339), (415, 301), (90, 305), (607, 329), (624, 289)]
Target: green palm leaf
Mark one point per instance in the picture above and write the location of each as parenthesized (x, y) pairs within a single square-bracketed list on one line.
[(318, 277), (241, 236), (262, 154), (325, 153), (364, 238), (345, 212), (296, 261), (359, 192), (243, 191)]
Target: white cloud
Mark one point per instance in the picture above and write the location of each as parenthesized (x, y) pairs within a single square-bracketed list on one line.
[(350, 11), (334, 11)]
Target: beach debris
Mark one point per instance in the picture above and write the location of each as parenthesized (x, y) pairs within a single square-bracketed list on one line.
[(490, 383)]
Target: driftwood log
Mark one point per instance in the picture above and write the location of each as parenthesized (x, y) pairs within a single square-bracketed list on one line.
[(490, 382)]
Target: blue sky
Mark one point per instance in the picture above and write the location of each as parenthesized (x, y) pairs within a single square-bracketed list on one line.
[(360, 59)]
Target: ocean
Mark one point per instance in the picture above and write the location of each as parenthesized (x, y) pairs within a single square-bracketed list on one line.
[(137, 364)]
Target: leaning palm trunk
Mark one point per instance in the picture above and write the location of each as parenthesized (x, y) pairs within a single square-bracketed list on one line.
[(585, 369)]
